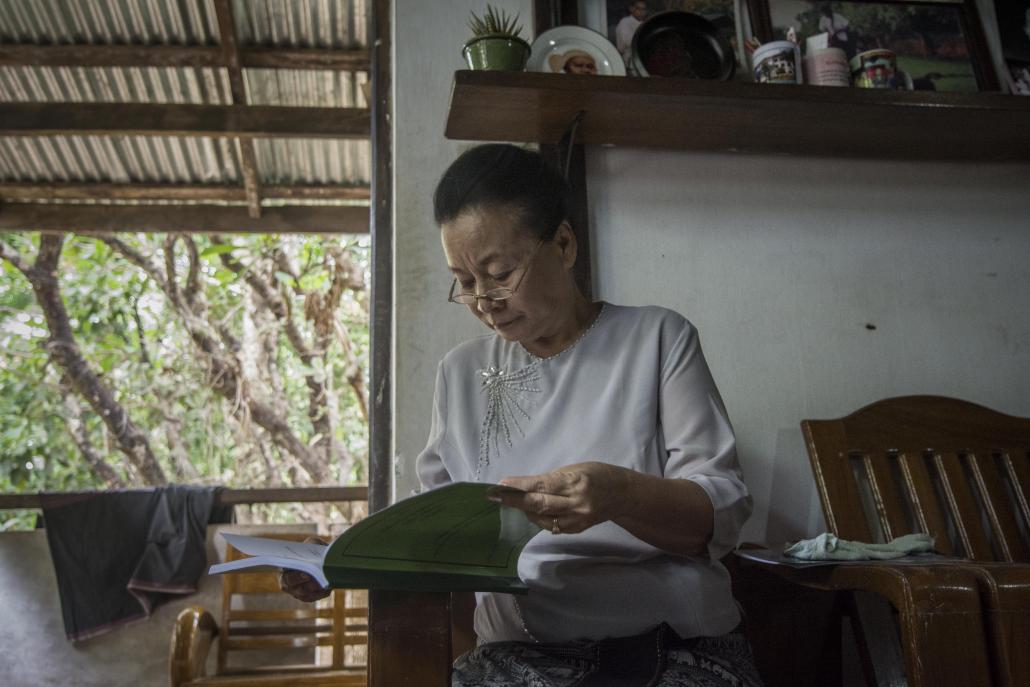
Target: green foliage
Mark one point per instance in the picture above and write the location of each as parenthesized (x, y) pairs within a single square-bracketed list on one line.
[(495, 23), (137, 343), (702, 7)]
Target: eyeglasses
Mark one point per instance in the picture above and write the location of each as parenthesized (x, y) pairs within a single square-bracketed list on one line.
[(500, 293)]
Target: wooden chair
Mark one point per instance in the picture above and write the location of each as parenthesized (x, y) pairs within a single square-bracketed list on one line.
[(255, 623), (953, 469)]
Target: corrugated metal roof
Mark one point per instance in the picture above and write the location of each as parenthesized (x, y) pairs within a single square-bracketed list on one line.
[(312, 161), (189, 22), (303, 23), (295, 23), (195, 85), (280, 23), (119, 159), (305, 87)]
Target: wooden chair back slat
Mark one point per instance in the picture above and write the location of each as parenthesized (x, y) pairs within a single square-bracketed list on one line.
[(964, 509), (887, 496), (838, 492), (277, 630), (965, 492), (247, 643), (999, 508), (340, 620), (278, 614), (925, 503), (1017, 469)]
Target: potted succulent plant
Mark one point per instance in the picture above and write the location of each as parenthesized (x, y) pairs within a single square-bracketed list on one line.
[(495, 42)]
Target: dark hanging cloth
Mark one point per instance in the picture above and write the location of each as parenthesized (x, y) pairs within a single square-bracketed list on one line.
[(120, 554)]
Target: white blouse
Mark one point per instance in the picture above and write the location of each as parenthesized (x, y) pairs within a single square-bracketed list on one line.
[(634, 391)]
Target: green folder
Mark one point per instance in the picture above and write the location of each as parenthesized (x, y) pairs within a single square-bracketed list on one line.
[(450, 539)]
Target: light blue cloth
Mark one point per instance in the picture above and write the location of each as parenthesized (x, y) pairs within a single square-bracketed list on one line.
[(828, 547)]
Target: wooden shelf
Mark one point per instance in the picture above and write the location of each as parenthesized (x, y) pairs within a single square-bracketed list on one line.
[(740, 117)]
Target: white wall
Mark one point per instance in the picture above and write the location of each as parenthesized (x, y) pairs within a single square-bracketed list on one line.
[(427, 43), (780, 262), (785, 264)]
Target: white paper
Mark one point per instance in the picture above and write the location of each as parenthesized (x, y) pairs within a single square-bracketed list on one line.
[(275, 553)]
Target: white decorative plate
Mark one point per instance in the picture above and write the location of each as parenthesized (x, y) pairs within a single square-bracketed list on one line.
[(575, 50)]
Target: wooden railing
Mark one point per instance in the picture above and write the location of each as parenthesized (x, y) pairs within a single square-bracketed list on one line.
[(225, 497)]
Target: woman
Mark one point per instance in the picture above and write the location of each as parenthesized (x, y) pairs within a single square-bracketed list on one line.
[(608, 419)]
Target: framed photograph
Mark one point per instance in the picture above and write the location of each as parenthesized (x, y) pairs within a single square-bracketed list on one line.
[(939, 44), (619, 19), (574, 50)]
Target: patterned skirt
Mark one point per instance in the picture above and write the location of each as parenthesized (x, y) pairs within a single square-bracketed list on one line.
[(723, 661)]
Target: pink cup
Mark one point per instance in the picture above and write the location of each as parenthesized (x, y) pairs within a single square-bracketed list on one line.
[(827, 67)]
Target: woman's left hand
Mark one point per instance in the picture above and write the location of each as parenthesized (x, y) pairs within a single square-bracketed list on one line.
[(572, 498)]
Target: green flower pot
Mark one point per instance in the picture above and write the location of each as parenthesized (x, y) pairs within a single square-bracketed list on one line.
[(502, 53)]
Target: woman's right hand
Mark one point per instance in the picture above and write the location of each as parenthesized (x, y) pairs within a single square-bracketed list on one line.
[(300, 585)]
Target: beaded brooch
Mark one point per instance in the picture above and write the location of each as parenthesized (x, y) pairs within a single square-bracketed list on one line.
[(504, 407)]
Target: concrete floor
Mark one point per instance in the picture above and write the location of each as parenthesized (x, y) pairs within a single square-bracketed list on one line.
[(33, 648)]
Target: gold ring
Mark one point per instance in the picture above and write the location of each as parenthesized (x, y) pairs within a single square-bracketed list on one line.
[(554, 526)]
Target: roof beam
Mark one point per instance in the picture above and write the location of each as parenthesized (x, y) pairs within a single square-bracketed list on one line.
[(356, 60), (144, 119), (238, 89), (76, 191), (31, 55), (301, 219)]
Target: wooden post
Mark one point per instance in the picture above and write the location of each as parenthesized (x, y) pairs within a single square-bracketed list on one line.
[(409, 639), (380, 470), (548, 13)]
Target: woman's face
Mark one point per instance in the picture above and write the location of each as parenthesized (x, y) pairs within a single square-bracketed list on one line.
[(488, 248)]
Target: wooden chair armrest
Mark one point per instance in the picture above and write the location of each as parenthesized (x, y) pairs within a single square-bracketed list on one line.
[(1005, 595), (939, 613), (194, 631)]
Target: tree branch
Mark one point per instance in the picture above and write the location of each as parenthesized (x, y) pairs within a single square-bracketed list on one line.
[(80, 435), (318, 411), (224, 372), (184, 468), (355, 375), (63, 349), (136, 258), (144, 355), (192, 282), (172, 281), (12, 256)]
